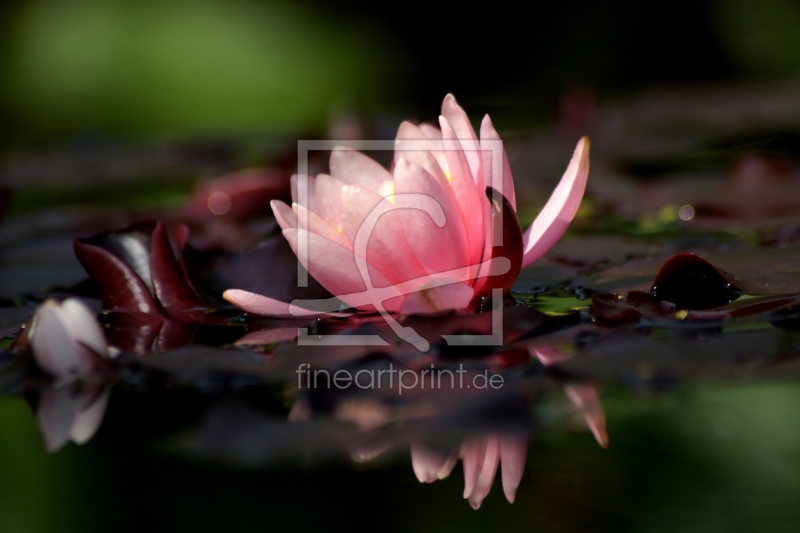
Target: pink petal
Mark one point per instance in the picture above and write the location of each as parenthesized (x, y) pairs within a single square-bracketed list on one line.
[(408, 133), (264, 305), (473, 453), (268, 336), (496, 170), (438, 249), (329, 192), (560, 209), (284, 214), (387, 248), (446, 297), (584, 397), (409, 147), (430, 464), (89, 418), (311, 222), (54, 349), (311, 191), (335, 268), (410, 140), (513, 453), (549, 355), (354, 168), (486, 475), (431, 132), (470, 199), (466, 134)]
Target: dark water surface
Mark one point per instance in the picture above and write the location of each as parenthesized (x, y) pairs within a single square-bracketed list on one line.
[(656, 390)]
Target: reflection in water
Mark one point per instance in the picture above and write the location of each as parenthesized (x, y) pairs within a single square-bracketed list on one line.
[(582, 396), (480, 457), (486, 427), (68, 344), (67, 412), (502, 443)]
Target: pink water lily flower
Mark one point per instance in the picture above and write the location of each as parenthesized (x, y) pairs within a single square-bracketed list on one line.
[(429, 243)]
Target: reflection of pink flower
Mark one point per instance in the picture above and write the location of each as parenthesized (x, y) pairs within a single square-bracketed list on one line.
[(67, 343), (481, 456), (440, 258)]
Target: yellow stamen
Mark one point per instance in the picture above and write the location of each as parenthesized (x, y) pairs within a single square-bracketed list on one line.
[(335, 225), (448, 176), (387, 190)]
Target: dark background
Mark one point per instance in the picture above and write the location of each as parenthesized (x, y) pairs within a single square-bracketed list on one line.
[(210, 68)]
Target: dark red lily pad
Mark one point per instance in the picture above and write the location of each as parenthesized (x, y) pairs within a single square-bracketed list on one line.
[(146, 333), (240, 195), (269, 269), (691, 282), (136, 269)]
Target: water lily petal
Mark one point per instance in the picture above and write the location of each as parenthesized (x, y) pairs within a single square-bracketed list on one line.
[(89, 418), (269, 336), (430, 464), (82, 327), (585, 398), (53, 349), (464, 131), (312, 222), (387, 248), (329, 191), (432, 132), (470, 200), (55, 414), (513, 453), (486, 474), (560, 209), (438, 249), (445, 297), (473, 453), (411, 141), (264, 305), (354, 168), (334, 266), (284, 214), (496, 173), (311, 192)]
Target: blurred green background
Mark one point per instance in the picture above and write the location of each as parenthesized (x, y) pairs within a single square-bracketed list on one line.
[(209, 68)]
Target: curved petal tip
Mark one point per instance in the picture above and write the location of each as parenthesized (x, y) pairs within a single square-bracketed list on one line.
[(557, 214)]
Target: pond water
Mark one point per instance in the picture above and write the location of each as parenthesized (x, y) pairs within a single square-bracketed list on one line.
[(645, 376)]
